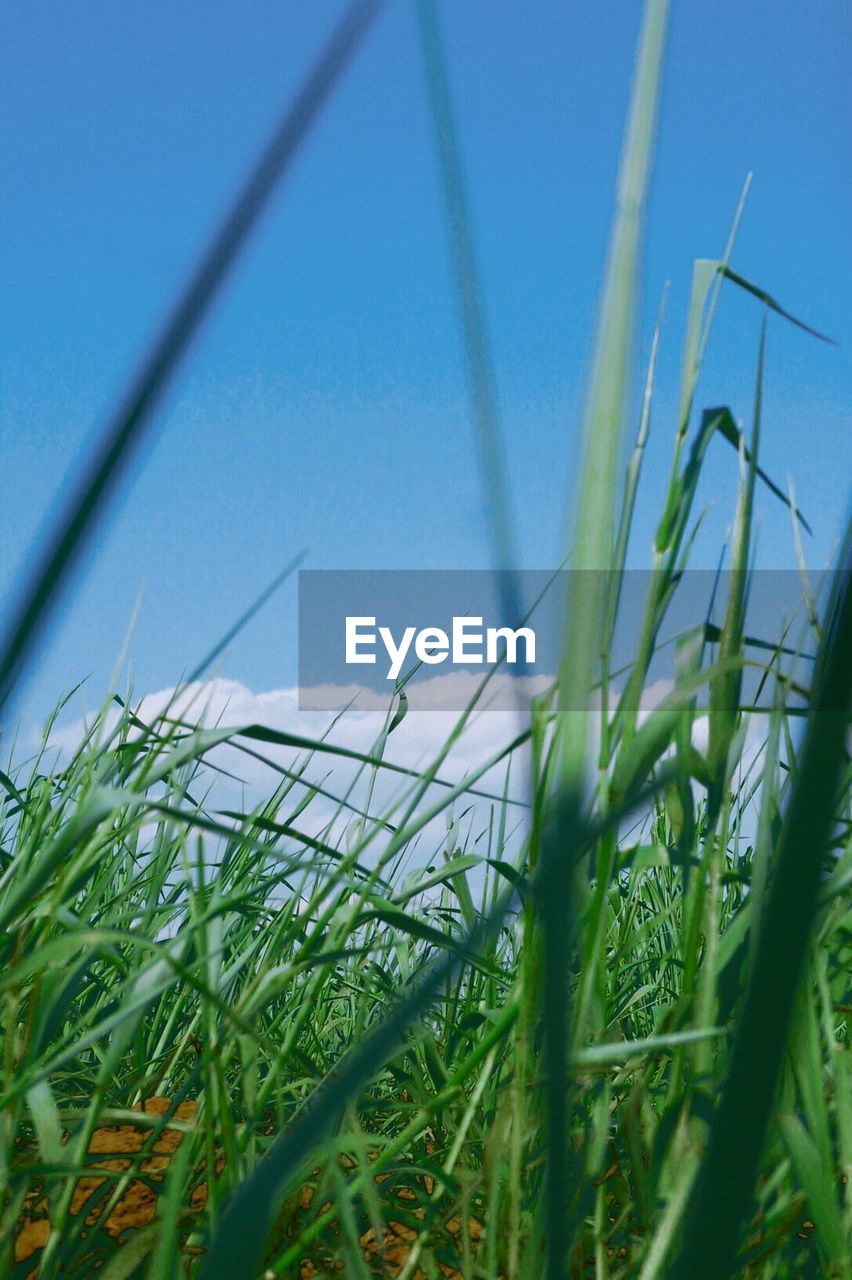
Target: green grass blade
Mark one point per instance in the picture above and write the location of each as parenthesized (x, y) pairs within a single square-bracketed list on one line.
[(125, 429), (244, 619), (594, 535), (479, 362), (726, 1186), (723, 422), (769, 301), (725, 692), (817, 1177)]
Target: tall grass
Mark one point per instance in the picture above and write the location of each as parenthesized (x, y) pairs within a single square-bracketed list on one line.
[(599, 1032)]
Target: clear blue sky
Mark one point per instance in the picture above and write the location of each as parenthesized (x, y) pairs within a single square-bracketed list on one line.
[(324, 407)]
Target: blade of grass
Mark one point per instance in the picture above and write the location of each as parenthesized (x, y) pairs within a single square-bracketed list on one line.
[(76, 525), (603, 428), (725, 1189), (769, 301), (594, 533), (469, 292), (725, 692), (727, 427), (244, 619)]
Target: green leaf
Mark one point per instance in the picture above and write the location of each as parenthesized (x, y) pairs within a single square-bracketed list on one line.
[(770, 302), (722, 420), (444, 875), (818, 1179)]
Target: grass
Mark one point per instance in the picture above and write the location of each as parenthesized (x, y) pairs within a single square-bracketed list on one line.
[(386, 1023)]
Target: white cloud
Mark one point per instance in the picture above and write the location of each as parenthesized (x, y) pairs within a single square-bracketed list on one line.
[(248, 779)]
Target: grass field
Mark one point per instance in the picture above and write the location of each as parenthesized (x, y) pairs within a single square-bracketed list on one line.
[(600, 1032)]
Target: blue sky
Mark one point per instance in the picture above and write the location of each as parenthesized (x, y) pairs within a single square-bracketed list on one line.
[(324, 406)]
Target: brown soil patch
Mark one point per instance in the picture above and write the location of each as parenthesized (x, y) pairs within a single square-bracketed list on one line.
[(116, 1148)]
